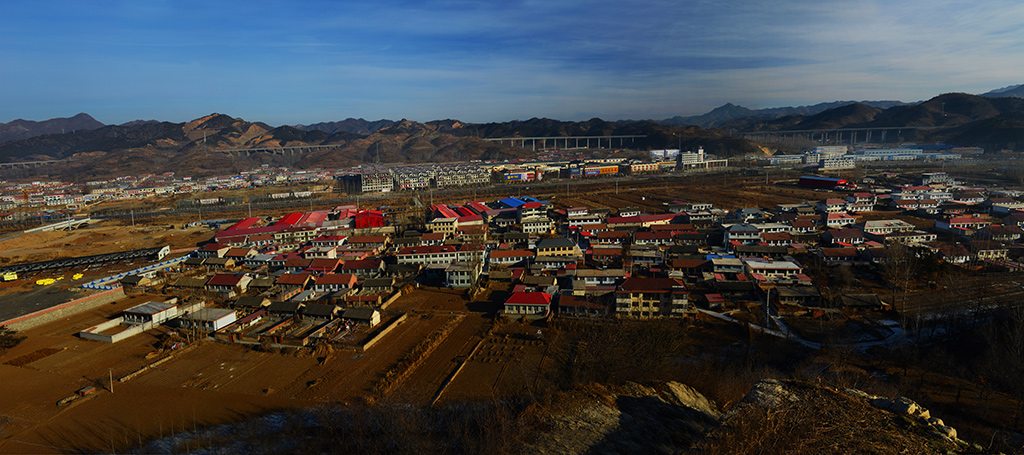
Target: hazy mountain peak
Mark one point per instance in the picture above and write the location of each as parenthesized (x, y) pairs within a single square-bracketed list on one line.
[(23, 129), (1011, 91)]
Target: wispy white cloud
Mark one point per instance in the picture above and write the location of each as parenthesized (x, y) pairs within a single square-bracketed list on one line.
[(493, 60)]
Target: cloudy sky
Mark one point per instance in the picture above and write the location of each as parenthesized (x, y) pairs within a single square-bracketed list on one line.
[(483, 60)]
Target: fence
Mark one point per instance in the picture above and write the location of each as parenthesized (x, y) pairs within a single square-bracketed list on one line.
[(99, 284)]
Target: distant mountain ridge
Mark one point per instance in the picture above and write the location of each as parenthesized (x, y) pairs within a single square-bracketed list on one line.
[(196, 147), (729, 112), (24, 129), (349, 125), (1015, 91)]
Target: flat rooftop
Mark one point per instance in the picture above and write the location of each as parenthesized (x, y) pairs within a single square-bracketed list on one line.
[(150, 308)]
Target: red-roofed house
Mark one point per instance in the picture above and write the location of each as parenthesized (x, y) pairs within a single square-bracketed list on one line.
[(661, 238), (376, 242), (965, 225), (581, 306), (838, 220), (504, 258), (643, 221), (334, 282), (363, 268), (831, 205), (437, 254), (297, 265), (329, 240), (610, 238), (652, 297), (802, 226), (777, 238), (691, 267), (228, 282), (368, 218), (294, 280), (321, 266), (535, 304), (212, 250), (839, 255), (239, 254), (846, 236), (432, 238), (606, 254)]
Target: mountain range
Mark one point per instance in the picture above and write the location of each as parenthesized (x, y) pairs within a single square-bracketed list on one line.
[(991, 121), (961, 119), (1010, 91), (24, 129), (728, 112), (195, 148)]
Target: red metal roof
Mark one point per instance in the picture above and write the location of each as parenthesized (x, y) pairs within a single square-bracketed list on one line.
[(510, 253), (289, 219), (293, 278), (245, 224), (529, 298), (367, 239), (337, 278), (361, 264), (650, 284), (430, 249), (224, 279)]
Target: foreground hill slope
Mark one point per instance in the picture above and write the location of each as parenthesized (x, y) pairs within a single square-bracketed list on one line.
[(666, 418)]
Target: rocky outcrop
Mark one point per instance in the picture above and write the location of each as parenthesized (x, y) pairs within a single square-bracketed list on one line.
[(630, 419), (904, 406)]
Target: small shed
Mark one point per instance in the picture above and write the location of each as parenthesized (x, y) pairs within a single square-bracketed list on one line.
[(208, 319), (361, 315), (320, 311), (284, 308), (153, 312), (134, 281), (861, 302), (251, 303)]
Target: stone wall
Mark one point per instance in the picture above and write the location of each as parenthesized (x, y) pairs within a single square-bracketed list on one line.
[(63, 310)]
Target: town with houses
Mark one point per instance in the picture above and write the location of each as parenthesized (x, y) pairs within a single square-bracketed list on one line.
[(349, 262), (55, 199), (853, 262), (319, 274)]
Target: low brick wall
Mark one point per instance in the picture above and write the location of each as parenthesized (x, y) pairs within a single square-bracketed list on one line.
[(383, 332), (394, 297), (63, 310)]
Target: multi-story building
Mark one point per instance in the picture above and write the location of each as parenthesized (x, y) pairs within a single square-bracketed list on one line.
[(652, 297)]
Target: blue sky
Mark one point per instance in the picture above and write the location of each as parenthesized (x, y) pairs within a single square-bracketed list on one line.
[(480, 61)]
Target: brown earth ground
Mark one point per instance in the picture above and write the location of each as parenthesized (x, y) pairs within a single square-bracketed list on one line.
[(213, 382)]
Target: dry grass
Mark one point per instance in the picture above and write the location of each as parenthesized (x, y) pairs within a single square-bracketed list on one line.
[(822, 422)]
